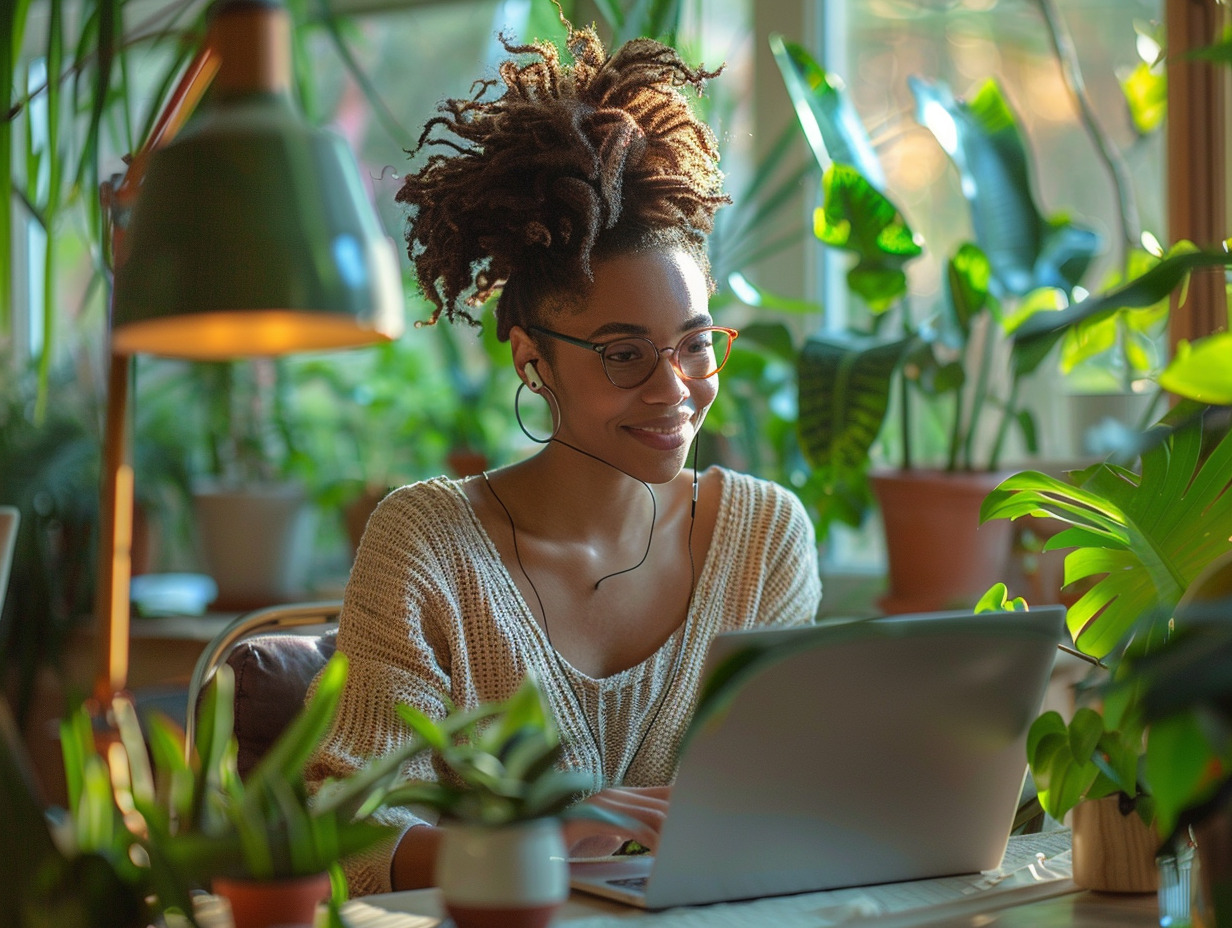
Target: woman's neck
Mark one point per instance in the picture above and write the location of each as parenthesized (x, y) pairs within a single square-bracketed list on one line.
[(563, 493)]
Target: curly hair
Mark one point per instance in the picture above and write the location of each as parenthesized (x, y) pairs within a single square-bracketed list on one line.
[(570, 164)]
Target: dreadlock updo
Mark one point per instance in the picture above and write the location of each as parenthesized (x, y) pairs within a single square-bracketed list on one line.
[(572, 163)]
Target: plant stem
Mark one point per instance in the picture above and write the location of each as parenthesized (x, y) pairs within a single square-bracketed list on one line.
[(980, 396), (904, 412), (1007, 415), (1109, 154)]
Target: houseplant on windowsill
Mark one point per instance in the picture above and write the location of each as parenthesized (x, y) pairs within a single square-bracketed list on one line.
[(956, 369), (502, 859)]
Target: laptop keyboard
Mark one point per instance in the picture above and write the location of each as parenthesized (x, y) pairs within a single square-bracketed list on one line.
[(629, 882)]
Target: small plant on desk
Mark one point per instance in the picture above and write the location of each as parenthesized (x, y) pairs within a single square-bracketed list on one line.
[(502, 851)]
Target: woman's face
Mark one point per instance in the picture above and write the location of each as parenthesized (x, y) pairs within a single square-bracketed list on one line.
[(646, 430)]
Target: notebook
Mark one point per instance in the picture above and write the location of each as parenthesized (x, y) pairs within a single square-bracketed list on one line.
[(867, 752)]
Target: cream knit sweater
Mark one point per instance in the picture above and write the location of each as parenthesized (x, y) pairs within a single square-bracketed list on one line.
[(431, 612)]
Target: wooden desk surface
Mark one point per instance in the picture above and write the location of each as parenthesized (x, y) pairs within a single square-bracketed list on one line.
[(1071, 910)]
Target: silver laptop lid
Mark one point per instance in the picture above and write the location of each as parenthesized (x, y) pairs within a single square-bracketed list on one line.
[(840, 755)]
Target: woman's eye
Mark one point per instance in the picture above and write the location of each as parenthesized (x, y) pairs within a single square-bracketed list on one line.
[(623, 353), (699, 344)]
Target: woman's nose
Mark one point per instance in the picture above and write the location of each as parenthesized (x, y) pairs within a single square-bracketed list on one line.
[(666, 385)]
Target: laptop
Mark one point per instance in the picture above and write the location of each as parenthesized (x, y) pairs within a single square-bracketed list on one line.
[(844, 755)]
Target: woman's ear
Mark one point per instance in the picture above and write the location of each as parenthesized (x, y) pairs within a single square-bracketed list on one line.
[(531, 376), (525, 358)]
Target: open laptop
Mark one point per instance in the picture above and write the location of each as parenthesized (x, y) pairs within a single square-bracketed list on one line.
[(844, 755)]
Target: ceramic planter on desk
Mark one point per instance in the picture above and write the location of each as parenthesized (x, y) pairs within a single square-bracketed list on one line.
[(513, 875)]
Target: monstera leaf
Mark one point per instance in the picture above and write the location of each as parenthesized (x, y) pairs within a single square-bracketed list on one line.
[(844, 393), (983, 139), (856, 217), (1142, 537), (825, 112)]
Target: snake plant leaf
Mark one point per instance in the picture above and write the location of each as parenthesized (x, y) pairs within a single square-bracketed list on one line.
[(825, 112), (844, 392), (1144, 537), (855, 216), (1202, 370), (984, 141)]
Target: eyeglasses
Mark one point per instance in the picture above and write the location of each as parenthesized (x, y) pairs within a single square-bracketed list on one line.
[(629, 361)]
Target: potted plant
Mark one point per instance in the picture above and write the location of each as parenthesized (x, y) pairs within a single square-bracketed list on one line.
[(69, 867), (261, 841), (1185, 696), (1138, 540), (502, 856), (956, 368)]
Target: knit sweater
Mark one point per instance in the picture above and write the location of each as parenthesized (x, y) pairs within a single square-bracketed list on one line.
[(431, 613)]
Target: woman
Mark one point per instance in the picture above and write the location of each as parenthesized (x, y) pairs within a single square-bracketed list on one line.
[(583, 195)]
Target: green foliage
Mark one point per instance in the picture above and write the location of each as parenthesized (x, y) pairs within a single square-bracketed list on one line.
[(845, 380), (1202, 370), (1186, 700), (856, 217), (1085, 760), (983, 139), (1145, 291), (87, 879), (1140, 538), (830, 123), (503, 761), (997, 599), (844, 388), (1146, 93), (204, 821)]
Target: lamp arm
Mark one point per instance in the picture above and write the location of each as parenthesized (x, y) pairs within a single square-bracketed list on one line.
[(112, 608)]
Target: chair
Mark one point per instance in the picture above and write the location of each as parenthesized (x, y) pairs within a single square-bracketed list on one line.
[(273, 668)]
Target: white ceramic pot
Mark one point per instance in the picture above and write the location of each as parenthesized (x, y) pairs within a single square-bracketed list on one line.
[(515, 876), (257, 542)]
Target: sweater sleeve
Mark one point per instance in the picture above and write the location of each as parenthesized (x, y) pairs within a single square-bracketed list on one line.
[(397, 609), (791, 587)]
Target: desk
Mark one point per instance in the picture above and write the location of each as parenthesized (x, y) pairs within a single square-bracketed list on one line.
[(1072, 910)]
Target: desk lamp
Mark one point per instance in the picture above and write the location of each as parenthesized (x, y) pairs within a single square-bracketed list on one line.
[(248, 235)]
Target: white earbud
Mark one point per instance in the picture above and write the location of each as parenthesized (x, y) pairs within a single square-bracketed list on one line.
[(532, 376)]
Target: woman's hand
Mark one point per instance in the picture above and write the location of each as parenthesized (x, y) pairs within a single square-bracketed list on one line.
[(644, 807)]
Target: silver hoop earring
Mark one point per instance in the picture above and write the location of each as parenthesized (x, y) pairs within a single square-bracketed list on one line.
[(550, 397)]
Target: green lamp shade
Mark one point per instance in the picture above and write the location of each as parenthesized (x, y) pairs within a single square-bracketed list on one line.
[(252, 235)]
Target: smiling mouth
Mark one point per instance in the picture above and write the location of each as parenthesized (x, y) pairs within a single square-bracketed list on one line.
[(660, 429)]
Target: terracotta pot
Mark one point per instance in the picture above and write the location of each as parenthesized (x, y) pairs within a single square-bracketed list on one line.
[(1114, 851), (266, 903), (515, 876), (940, 557)]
